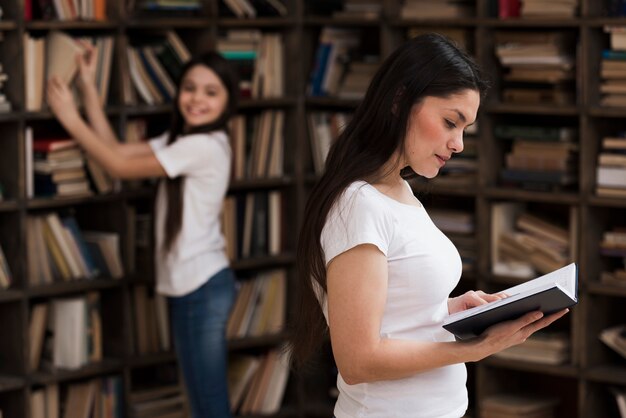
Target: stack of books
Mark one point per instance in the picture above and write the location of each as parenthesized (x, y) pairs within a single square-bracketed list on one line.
[(545, 8), (611, 170), (613, 246), (59, 167), (524, 244), (540, 157), (613, 68), (538, 67), (542, 347)]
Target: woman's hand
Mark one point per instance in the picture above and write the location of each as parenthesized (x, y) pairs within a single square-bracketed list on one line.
[(61, 101), (509, 333), (86, 62), (470, 299)]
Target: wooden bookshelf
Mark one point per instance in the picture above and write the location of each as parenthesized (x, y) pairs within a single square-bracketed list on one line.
[(583, 384)]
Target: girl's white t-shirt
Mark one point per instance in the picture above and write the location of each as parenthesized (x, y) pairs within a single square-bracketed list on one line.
[(199, 251), (423, 268)]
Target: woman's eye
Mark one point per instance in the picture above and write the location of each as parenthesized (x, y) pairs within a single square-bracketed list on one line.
[(450, 124)]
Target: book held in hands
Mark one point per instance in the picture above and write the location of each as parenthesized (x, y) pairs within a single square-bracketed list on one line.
[(549, 293)]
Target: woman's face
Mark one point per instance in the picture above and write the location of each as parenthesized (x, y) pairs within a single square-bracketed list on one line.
[(435, 130), (202, 98)]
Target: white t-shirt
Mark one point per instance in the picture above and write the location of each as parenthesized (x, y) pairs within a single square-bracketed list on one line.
[(199, 251), (424, 267)]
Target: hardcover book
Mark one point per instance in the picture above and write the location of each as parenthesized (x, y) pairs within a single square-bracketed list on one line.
[(548, 293)]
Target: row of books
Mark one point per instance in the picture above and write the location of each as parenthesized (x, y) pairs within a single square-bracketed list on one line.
[(526, 244), (258, 145), (253, 8), (542, 347), (97, 398), (154, 65), (5, 271), (58, 250), (257, 383), (55, 55), (260, 306), (65, 333), (65, 9), (151, 331), (259, 58), (424, 9), (336, 48), (540, 157), (562, 9), (253, 224), (324, 128), (359, 9)]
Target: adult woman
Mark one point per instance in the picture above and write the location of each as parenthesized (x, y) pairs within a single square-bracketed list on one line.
[(372, 259), (193, 161)]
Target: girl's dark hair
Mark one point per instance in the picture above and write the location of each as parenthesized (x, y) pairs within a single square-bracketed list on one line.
[(428, 65), (174, 186)]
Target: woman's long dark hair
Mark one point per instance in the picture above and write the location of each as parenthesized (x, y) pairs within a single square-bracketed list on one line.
[(174, 186), (428, 65)]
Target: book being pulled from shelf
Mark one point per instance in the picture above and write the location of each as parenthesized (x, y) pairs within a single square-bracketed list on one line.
[(518, 406), (615, 338), (549, 293)]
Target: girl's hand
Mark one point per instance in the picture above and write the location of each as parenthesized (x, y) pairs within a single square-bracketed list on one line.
[(86, 62), (61, 101), (470, 299), (509, 333)]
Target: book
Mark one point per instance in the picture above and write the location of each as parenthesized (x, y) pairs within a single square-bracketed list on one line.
[(548, 293)]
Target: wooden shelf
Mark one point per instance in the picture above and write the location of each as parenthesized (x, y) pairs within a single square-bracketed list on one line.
[(72, 287), (567, 371), (70, 25), (10, 383), (105, 367), (611, 374)]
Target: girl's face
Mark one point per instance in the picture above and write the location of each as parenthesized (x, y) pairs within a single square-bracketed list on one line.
[(435, 130), (202, 98)]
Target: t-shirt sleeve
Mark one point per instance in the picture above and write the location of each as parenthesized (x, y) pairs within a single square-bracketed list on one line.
[(358, 217), (192, 154)]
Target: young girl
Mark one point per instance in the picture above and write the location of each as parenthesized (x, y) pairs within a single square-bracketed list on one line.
[(193, 160), (373, 268)]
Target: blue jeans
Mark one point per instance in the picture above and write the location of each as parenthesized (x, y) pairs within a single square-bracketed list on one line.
[(198, 328)]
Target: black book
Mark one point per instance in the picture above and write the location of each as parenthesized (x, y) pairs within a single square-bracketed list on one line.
[(549, 293)]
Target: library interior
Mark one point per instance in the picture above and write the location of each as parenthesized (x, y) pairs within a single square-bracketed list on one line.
[(540, 184)]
